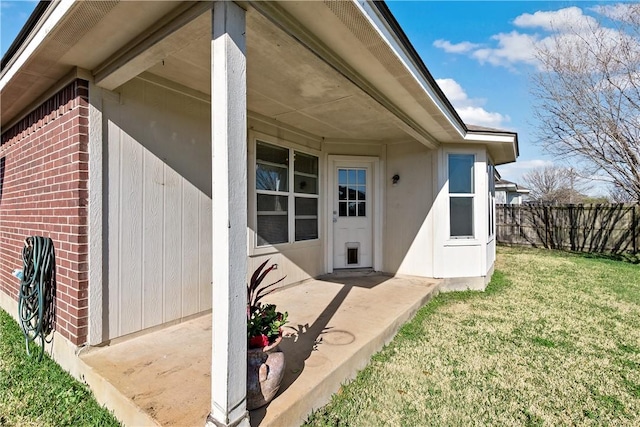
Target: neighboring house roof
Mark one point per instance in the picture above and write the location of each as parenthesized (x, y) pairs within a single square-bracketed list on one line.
[(505, 185)]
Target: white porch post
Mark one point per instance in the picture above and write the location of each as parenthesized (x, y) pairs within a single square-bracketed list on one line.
[(229, 198)]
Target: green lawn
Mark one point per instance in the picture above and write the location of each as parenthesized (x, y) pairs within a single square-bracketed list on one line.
[(41, 394), (555, 340)]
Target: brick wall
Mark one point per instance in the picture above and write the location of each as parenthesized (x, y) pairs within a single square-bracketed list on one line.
[(44, 174)]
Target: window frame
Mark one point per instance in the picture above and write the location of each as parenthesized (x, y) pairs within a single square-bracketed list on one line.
[(471, 195), (290, 194)]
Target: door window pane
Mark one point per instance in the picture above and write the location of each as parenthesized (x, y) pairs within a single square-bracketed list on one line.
[(352, 209), (352, 193), (352, 176), (342, 176), (342, 192), (342, 210), (362, 209)]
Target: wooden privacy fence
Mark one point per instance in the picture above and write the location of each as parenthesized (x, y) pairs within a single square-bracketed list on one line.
[(605, 228)]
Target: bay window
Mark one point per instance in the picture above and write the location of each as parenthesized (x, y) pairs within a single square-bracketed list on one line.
[(287, 195)]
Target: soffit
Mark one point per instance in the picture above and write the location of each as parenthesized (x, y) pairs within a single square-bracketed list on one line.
[(85, 36), (287, 83), (502, 152), (345, 30)]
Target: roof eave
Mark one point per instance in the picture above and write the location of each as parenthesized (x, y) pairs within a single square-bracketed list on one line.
[(25, 31), (502, 145)]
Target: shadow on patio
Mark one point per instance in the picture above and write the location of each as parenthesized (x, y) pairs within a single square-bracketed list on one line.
[(336, 323)]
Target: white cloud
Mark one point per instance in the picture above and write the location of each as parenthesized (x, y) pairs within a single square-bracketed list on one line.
[(512, 47), (470, 109), (481, 117), (449, 47), (543, 29), (454, 92), (557, 20)]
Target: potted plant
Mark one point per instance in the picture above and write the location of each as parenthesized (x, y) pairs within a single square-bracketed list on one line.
[(265, 360)]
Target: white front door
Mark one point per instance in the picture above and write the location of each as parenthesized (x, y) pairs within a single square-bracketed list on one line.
[(352, 215)]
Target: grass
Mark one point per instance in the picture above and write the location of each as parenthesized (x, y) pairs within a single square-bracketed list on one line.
[(41, 393), (555, 340)]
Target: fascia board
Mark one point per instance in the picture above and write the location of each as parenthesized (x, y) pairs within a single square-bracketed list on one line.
[(475, 137)]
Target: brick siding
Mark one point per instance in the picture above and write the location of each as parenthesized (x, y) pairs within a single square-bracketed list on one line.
[(44, 173)]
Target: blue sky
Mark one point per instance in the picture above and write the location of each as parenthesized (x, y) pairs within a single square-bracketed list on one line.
[(479, 51), (481, 54)]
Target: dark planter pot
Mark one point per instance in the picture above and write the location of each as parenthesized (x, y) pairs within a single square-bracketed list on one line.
[(265, 369)]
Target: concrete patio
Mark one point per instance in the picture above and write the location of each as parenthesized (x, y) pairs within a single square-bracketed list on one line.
[(336, 324)]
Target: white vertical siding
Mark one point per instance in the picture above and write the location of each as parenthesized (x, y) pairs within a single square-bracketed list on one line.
[(130, 236), (172, 245), (112, 282), (153, 235), (158, 207), (190, 249), (205, 250)]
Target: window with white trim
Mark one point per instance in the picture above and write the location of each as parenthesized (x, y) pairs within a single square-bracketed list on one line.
[(461, 195), (286, 195)]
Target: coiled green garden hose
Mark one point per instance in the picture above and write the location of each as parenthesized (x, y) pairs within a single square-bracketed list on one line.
[(36, 299)]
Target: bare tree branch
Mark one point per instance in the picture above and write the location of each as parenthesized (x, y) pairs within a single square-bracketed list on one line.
[(555, 184), (588, 97)]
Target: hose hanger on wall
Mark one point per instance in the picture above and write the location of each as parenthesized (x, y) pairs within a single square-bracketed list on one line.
[(37, 295)]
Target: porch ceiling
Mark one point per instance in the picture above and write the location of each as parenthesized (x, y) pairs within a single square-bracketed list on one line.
[(287, 83)]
